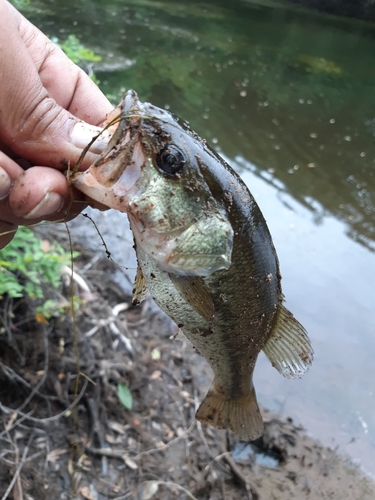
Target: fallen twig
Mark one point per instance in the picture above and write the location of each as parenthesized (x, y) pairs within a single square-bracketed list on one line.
[(18, 470), (97, 430), (77, 278), (251, 489), (111, 323), (5, 409), (169, 484), (15, 424), (35, 390), (108, 452), (166, 445)]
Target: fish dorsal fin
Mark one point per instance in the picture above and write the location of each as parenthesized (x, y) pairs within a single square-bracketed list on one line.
[(196, 293), (140, 288), (288, 347)]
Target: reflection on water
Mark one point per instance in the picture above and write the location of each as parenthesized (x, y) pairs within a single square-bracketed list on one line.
[(288, 98)]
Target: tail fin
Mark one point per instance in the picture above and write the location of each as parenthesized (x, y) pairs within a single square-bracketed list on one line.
[(240, 415)]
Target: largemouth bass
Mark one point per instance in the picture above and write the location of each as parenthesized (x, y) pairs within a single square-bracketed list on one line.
[(205, 254)]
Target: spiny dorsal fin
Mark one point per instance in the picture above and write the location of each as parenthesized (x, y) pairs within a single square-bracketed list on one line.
[(140, 288), (289, 348), (196, 293)]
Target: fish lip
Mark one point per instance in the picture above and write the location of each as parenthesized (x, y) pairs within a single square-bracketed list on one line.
[(112, 177), (131, 104)]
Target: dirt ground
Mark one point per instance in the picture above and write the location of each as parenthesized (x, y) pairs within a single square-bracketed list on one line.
[(65, 435)]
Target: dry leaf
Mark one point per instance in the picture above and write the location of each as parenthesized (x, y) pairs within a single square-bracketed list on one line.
[(130, 463), (110, 439), (88, 296), (155, 375), (41, 319), (117, 427), (55, 455), (89, 492), (149, 489)]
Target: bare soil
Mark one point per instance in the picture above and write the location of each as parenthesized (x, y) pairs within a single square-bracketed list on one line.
[(65, 435)]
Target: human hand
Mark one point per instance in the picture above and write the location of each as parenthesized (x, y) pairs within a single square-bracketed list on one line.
[(49, 111)]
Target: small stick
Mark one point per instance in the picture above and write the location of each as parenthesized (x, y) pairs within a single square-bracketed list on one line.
[(97, 430), (251, 489), (19, 468), (5, 409)]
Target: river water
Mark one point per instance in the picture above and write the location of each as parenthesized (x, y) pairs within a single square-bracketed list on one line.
[(287, 96)]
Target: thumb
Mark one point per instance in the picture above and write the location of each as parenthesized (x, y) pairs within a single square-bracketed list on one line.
[(32, 123)]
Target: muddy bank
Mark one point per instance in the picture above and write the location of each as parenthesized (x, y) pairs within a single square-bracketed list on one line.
[(65, 435)]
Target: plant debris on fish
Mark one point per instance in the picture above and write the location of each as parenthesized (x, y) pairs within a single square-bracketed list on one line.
[(205, 254)]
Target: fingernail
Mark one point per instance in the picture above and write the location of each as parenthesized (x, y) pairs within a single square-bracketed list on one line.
[(50, 204), (83, 133), (5, 184)]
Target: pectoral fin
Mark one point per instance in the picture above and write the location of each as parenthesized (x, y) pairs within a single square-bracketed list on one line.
[(140, 289), (204, 247), (196, 293), (289, 348)]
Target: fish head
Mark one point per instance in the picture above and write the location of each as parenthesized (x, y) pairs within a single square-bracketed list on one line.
[(154, 170)]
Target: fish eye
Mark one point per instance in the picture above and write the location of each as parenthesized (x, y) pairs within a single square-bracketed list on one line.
[(170, 160)]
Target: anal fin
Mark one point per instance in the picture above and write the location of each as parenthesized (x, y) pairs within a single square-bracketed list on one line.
[(288, 347), (240, 415)]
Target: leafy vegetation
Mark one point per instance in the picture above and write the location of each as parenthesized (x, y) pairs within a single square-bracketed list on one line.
[(79, 54), (27, 264), (20, 4), (76, 51)]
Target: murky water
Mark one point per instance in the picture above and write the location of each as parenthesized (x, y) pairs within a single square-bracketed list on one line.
[(288, 97)]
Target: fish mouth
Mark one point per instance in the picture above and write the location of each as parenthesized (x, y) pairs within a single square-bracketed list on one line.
[(131, 105), (112, 177)]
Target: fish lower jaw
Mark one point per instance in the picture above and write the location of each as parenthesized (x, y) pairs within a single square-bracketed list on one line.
[(107, 196)]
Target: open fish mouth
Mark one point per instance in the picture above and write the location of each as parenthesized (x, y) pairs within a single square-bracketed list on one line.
[(111, 179)]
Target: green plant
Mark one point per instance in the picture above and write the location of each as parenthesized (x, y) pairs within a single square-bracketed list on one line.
[(27, 263), (75, 50), (125, 396), (20, 4)]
